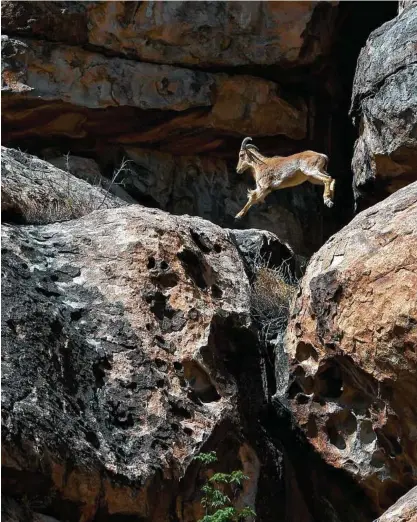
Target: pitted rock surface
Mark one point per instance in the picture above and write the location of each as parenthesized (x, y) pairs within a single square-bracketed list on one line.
[(352, 341)]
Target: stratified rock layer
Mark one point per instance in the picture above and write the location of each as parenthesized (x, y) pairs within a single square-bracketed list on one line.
[(384, 106), (352, 345), (197, 33)]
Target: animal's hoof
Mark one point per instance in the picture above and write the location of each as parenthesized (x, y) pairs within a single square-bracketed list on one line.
[(328, 202)]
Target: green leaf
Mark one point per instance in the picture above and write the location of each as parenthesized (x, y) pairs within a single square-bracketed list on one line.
[(206, 458), (237, 477), (223, 478)]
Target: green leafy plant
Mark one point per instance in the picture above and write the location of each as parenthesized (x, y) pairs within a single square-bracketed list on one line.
[(218, 506)]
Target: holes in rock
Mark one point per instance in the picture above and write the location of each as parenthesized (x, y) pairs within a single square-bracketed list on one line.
[(92, 438), (200, 382), (193, 314), (366, 432), (160, 383), (305, 351), (174, 427), (178, 409), (301, 384), (301, 398), (335, 438), (151, 263), (201, 241), (158, 303), (161, 364), (125, 420), (311, 428), (193, 267), (217, 248), (330, 382), (76, 315), (216, 292), (339, 427), (131, 385), (178, 366), (164, 265), (378, 459), (11, 324), (99, 371), (294, 390), (188, 431), (170, 319)]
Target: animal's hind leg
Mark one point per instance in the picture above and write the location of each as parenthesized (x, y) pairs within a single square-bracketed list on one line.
[(316, 177)]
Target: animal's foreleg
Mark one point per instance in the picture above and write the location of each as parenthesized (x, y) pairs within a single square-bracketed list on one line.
[(253, 198)]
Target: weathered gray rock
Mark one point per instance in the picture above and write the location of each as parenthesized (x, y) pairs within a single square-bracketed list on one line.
[(404, 510), (112, 326), (88, 170), (128, 348), (34, 191), (384, 107), (352, 340)]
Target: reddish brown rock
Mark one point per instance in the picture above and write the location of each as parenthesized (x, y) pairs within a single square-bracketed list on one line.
[(352, 344), (192, 33), (40, 73)]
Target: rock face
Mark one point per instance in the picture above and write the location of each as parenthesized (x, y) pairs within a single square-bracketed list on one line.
[(33, 191), (201, 33), (404, 510), (384, 107), (36, 73), (129, 371), (127, 348), (352, 346), (97, 80)]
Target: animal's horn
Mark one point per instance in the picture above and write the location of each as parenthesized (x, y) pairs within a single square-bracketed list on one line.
[(245, 142), (254, 147)]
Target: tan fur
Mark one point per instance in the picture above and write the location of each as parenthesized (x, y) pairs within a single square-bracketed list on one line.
[(279, 172)]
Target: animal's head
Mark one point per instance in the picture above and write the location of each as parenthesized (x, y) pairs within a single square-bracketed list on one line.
[(246, 158)]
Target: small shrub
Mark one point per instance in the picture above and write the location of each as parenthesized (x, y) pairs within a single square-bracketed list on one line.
[(218, 506), (272, 293), (66, 201)]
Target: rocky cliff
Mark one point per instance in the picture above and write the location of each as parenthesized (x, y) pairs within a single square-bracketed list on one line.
[(130, 338)]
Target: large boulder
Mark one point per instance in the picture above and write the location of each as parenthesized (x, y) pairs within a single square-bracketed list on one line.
[(121, 332), (384, 108), (352, 346), (34, 191), (404, 510), (199, 33), (128, 347)]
